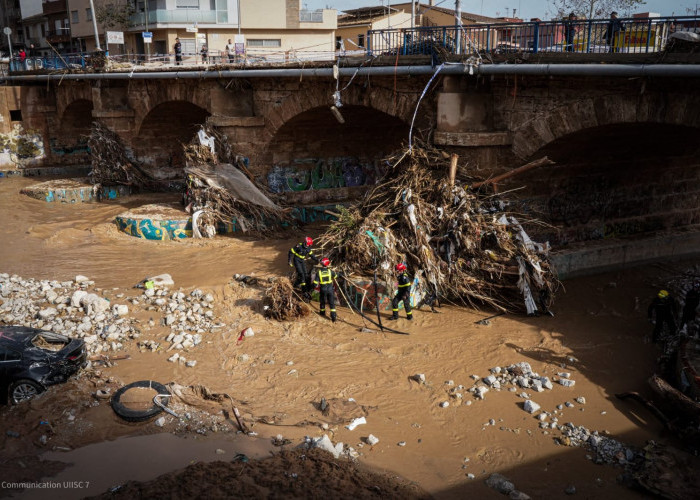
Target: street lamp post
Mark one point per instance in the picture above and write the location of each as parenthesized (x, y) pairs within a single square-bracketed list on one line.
[(94, 25)]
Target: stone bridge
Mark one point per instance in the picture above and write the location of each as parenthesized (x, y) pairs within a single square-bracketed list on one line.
[(625, 149)]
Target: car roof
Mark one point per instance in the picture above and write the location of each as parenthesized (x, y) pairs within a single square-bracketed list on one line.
[(17, 334)]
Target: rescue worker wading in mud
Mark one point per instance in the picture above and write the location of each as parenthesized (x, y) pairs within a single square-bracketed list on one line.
[(663, 307), (296, 257), (403, 294), (324, 277)]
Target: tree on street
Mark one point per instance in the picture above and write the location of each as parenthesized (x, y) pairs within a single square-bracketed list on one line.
[(593, 9)]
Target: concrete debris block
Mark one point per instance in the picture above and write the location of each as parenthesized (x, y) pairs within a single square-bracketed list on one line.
[(244, 358), (418, 377), (358, 421), (495, 370), (500, 483), (524, 367), (160, 422), (490, 380), (248, 332), (174, 357), (569, 404), (372, 440), (120, 310), (524, 382), (564, 375), (530, 406), (537, 385), (580, 400), (518, 495), (81, 279), (48, 313), (162, 280), (542, 416), (77, 299), (444, 404), (449, 382), (169, 319), (480, 391), (219, 451), (475, 377), (566, 382), (546, 383), (401, 443), (191, 364)]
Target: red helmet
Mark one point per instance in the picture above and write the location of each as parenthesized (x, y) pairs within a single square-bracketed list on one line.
[(308, 241), (400, 266), (325, 262)]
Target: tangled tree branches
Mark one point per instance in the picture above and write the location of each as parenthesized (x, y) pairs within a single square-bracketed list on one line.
[(111, 164), (225, 192), (283, 303), (462, 244)]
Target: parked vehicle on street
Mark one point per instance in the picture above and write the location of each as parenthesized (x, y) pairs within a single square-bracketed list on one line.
[(32, 360)]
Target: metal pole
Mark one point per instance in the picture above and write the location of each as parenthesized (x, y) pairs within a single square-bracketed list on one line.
[(458, 26), (94, 25), (239, 16), (413, 14), (148, 45)]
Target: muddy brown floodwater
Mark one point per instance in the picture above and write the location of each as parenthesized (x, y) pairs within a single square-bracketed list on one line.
[(598, 335)]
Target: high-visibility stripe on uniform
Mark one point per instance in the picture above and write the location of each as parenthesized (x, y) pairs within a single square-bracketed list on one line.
[(407, 284), (325, 277), (302, 257)]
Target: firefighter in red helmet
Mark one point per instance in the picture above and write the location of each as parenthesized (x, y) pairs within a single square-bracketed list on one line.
[(403, 294), (324, 277), (296, 257)]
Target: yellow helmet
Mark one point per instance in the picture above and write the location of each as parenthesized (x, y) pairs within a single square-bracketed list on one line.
[(663, 294)]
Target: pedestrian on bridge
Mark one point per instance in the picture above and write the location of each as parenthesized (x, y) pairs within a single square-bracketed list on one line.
[(615, 27), (570, 29), (178, 52)]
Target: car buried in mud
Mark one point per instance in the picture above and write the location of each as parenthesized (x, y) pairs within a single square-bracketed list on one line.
[(32, 360)]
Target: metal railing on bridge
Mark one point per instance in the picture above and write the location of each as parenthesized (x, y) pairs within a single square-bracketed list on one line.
[(632, 35)]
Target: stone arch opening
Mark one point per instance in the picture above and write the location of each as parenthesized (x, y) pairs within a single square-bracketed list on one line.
[(163, 131), (71, 143), (317, 157), (615, 181)]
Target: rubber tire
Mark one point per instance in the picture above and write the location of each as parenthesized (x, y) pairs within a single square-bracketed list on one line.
[(138, 415), (14, 385)]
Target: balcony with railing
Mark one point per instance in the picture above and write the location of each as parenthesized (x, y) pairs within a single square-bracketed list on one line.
[(58, 36), (311, 16), (182, 16)]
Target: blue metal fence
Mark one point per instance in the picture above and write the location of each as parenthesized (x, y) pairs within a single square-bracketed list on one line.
[(577, 36), (62, 61)]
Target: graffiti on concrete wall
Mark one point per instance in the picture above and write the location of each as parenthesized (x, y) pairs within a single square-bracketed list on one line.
[(308, 174), (20, 148), (151, 229)]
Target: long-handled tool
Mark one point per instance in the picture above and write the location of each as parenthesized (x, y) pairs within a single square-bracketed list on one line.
[(485, 321)]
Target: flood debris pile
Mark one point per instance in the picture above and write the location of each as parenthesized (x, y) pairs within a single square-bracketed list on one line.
[(282, 303), (463, 244), (112, 163), (221, 190)]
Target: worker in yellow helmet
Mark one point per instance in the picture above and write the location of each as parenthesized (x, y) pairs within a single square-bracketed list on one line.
[(662, 311)]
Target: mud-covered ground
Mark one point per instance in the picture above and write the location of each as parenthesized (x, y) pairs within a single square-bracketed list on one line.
[(279, 376)]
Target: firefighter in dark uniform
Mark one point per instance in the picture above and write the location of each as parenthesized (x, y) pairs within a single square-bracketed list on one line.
[(403, 294), (663, 307), (324, 277), (296, 257)]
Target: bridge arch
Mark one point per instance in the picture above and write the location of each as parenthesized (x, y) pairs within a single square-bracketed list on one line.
[(615, 181), (163, 130), (400, 105), (70, 142), (558, 122)]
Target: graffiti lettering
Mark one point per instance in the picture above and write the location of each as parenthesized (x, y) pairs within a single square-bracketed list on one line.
[(309, 174)]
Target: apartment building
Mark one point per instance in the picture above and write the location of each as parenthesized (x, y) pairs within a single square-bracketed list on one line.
[(267, 26)]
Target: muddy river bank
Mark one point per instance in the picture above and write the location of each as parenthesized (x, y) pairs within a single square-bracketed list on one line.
[(280, 375)]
